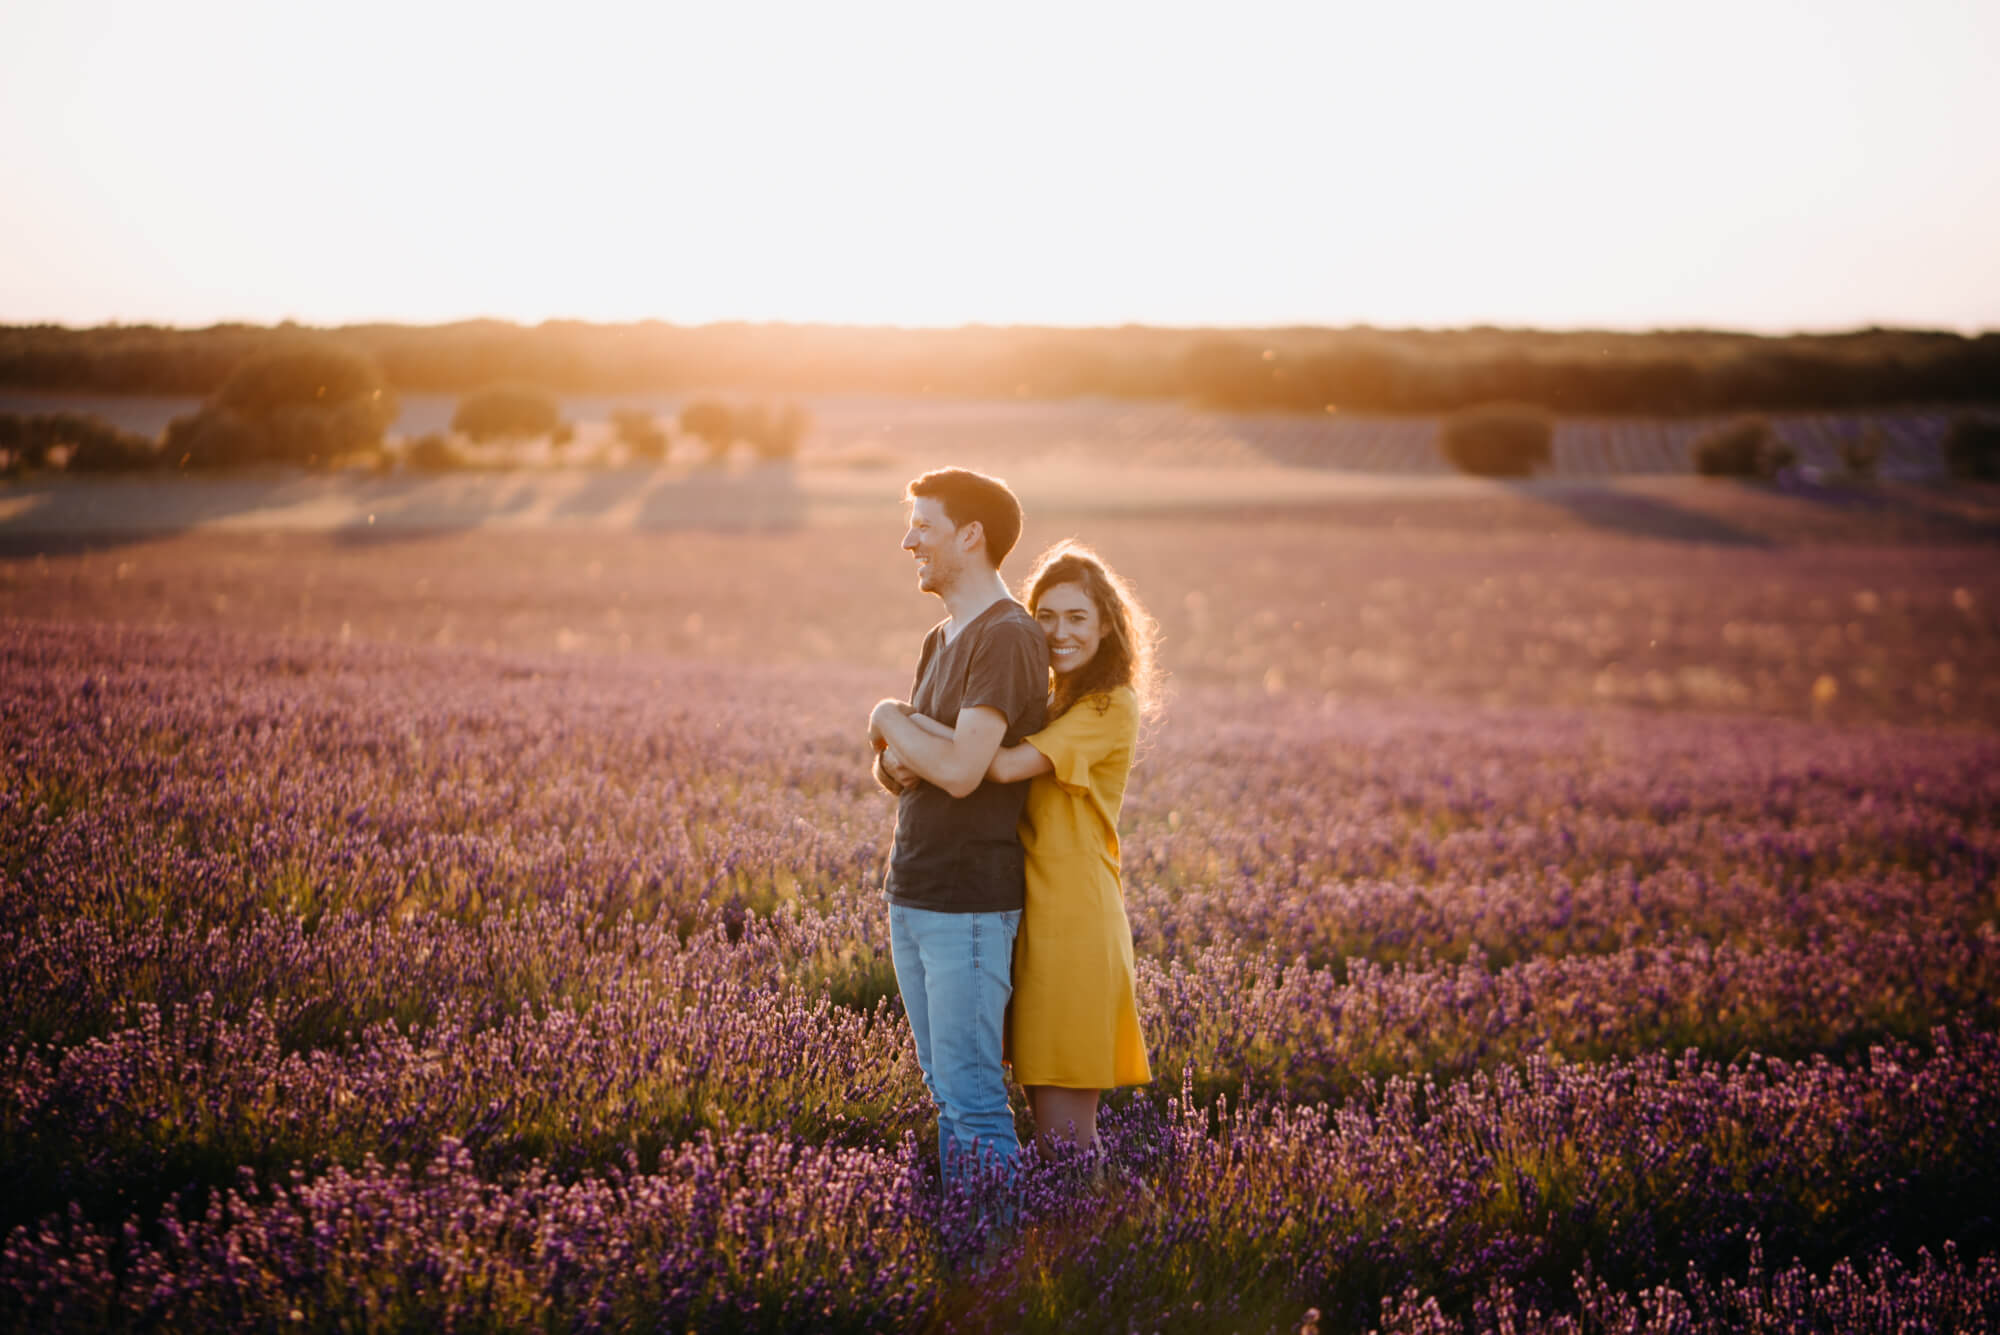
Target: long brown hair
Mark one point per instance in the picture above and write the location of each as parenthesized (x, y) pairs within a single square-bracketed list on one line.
[(1125, 656)]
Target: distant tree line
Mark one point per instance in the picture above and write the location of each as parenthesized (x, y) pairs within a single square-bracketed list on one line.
[(1299, 370), (320, 404)]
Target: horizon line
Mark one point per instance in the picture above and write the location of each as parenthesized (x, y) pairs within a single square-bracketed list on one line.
[(1623, 331)]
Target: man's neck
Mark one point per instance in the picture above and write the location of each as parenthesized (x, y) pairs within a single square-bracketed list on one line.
[(969, 597)]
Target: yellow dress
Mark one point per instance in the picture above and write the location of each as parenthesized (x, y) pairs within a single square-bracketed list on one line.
[(1074, 1022)]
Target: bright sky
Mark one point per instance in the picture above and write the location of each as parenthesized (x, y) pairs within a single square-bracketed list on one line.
[(1759, 164)]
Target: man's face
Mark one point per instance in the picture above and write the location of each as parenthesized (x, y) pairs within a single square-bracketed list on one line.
[(933, 540)]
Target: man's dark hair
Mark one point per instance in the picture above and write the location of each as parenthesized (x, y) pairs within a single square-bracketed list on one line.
[(968, 497)]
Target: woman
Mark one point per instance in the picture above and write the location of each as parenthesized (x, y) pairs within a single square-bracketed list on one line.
[(1073, 1026)]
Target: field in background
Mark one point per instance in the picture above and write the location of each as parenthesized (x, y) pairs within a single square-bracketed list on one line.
[(1002, 434), (1523, 601)]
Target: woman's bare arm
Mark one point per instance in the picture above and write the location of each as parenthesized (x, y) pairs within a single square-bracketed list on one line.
[(1010, 764)]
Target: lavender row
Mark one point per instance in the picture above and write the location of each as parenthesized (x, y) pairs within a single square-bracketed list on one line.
[(1774, 607), (1529, 1183), (1636, 1171), (235, 776), (1880, 1296), (677, 1040)]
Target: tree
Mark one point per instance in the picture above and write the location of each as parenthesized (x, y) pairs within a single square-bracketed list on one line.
[(508, 412), (712, 422), (774, 433), (1972, 448), (1497, 439), (1745, 447), (303, 405), (641, 434)]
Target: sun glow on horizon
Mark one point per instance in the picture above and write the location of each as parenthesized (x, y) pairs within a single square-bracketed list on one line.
[(1565, 165)]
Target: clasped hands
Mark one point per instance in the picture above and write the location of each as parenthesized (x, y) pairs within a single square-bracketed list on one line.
[(893, 762)]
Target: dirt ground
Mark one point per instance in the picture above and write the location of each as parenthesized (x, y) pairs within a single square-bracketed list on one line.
[(770, 499)]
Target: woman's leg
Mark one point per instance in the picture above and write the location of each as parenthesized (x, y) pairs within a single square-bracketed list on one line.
[(1067, 1114)]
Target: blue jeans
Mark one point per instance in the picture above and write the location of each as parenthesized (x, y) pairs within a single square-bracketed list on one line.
[(956, 971)]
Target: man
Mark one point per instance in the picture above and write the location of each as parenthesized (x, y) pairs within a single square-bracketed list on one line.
[(955, 882)]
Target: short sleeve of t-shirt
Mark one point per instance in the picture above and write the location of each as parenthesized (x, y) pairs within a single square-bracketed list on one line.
[(1009, 673), (1093, 729)]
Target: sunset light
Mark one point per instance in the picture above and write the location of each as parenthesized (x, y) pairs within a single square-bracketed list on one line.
[(1742, 165), (1257, 668)]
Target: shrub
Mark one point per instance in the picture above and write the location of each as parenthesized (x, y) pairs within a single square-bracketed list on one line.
[(1861, 455), (17, 443), (300, 405), (1745, 447), (1497, 439), (213, 438), (773, 433), (379, 462), (1972, 448), (91, 444), (641, 434), (507, 412), (325, 375), (712, 422), (432, 453)]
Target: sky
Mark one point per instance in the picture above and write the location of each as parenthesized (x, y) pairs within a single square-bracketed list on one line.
[(1767, 165)]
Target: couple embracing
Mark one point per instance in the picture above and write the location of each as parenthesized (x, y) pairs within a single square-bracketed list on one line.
[(1008, 762)]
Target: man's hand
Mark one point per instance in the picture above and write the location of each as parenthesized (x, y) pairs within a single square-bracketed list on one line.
[(953, 760), (876, 738)]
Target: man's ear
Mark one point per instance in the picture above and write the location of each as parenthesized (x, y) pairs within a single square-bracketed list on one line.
[(971, 535)]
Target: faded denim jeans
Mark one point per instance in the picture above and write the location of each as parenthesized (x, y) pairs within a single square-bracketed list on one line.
[(956, 972)]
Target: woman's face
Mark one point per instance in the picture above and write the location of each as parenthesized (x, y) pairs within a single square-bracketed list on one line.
[(1068, 616)]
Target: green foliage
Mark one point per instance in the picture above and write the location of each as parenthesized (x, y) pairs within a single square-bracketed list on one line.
[(713, 423), (641, 434), (508, 412), (327, 376), (213, 438), (303, 405), (432, 453), (90, 444), (1497, 439), (1745, 447), (1358, 369), (1972, 448), (773, 433), (1861, 456), (1225, 372)]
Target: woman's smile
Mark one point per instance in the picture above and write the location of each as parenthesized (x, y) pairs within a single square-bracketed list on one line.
[(1068, 615)]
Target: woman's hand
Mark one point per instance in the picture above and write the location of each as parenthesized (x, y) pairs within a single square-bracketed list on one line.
[(898, 768)]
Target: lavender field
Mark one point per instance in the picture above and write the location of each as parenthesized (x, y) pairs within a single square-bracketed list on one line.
[(1541, 927)]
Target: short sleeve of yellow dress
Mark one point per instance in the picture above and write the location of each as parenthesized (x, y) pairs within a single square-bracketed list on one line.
[(1074, 1019)]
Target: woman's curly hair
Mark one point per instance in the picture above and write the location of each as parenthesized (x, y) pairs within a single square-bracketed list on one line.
[(1126, 654)]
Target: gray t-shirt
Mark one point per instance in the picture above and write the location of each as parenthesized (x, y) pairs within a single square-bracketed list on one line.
[(963, 854)]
